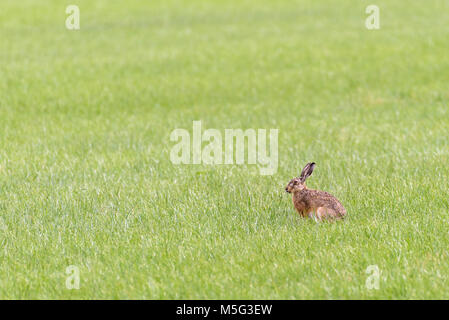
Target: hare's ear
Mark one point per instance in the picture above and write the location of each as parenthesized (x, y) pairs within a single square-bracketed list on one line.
[(307, 171)]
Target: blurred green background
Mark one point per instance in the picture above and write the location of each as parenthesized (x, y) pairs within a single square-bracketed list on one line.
[(85, 174)]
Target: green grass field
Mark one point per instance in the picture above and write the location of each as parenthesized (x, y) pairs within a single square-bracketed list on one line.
[(85, 171)]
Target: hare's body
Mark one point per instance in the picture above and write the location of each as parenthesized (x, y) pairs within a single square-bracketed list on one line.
[(316, 204)]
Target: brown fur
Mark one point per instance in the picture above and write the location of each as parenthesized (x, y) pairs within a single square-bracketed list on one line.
[(324, 205), (314, 203)]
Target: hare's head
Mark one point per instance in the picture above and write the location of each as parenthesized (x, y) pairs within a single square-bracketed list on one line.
[(298, 184)]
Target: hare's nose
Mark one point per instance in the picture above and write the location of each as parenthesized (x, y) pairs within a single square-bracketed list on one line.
[(286, 189)]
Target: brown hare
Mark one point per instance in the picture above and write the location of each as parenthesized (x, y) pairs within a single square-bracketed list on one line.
[(316, 204)]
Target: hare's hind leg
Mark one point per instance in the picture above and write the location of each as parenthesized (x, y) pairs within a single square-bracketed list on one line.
[(324, 213), (315, 215)]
